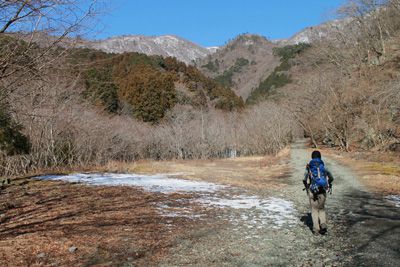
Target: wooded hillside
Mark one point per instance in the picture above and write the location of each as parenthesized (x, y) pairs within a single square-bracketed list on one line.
[(78, 108), (69, 108), (344, 90), (147, 85)]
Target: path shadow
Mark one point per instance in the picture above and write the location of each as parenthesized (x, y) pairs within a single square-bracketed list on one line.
[(307, 220), (373, 225)]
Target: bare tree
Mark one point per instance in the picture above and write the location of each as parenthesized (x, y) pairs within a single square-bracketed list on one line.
[(26, 23), (373, 22)]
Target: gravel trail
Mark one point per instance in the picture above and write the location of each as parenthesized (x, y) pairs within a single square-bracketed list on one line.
[(363, 229)]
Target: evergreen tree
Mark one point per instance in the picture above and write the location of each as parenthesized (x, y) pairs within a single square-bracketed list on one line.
[(150, 92), (12, 141)]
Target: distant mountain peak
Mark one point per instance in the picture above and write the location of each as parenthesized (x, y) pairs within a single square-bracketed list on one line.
[(241, 63), (315, 33), (163, 45)]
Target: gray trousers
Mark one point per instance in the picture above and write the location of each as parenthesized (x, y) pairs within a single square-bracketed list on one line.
[(318, 214)]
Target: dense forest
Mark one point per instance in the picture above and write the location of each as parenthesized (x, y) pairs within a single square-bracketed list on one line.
[(146, 85)]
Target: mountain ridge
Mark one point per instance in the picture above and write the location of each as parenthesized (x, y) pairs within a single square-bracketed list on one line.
[(162, 45), (171, 45), (242, 63), (314, 33)]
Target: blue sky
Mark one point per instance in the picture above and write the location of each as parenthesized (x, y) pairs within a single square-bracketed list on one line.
[(213, 22)]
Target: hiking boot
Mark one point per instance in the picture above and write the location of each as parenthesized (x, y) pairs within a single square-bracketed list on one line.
[(324, 229), (315, 232)]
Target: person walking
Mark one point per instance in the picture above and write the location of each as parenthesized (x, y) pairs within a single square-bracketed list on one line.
[(318, 182)]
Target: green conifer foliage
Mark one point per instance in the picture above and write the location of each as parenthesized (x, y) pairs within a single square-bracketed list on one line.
[(101, 89), (279, 77), (150, 92), (12, 141), (147, 84)]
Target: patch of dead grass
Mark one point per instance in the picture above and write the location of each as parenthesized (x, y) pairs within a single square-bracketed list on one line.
[(248, 172), (383, 168), (110, 226), (380, 172)]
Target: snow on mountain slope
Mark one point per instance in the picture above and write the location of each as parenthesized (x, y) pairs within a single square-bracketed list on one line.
[(166, 45), (316, 33)]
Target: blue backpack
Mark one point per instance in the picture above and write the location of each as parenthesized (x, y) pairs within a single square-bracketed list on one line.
[(317, 173)]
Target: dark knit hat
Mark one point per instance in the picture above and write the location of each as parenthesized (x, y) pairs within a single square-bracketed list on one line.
[(316, 154)]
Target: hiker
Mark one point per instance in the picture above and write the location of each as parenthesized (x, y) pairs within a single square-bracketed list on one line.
[(317, 181)]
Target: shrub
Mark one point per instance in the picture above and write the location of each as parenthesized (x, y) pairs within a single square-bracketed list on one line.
[(212, 66), (100, 87), (150, 92), (278, 78), (226, 78), (12, 141)]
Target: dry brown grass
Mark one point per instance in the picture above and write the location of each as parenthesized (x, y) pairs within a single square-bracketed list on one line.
[(108, 225), (247, 172), (380, 172)]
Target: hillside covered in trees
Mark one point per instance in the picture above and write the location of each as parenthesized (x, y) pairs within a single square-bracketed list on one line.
[(148, 86), (280, 76), (69, 108), (344, 90), (341, 87), (242, 63)]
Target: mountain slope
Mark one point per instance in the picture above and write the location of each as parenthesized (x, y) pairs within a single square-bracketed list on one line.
[(316, 33), (242, 63), (148, 86), (166, 45)]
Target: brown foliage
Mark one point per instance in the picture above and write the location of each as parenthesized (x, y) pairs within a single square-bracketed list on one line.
[(347, 86), (150, 92)]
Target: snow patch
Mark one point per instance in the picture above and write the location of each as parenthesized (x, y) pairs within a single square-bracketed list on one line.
[(302, 39), (180, 212), (154, 183), (166, 40), (251, 212), (249, 42), (260, 212), (394, 199), (212, 49)]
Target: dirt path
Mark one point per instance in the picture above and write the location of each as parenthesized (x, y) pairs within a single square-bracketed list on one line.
[(364, 230)]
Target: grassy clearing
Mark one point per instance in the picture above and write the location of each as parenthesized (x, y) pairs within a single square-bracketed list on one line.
[(383, 168), (116, 226), (380, 172), (110, 226), (247, 172)]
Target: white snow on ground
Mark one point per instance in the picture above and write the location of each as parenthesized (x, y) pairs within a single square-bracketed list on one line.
[(153, 183), (271, 211), (250, 211), (395, 199), (168, 211)]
